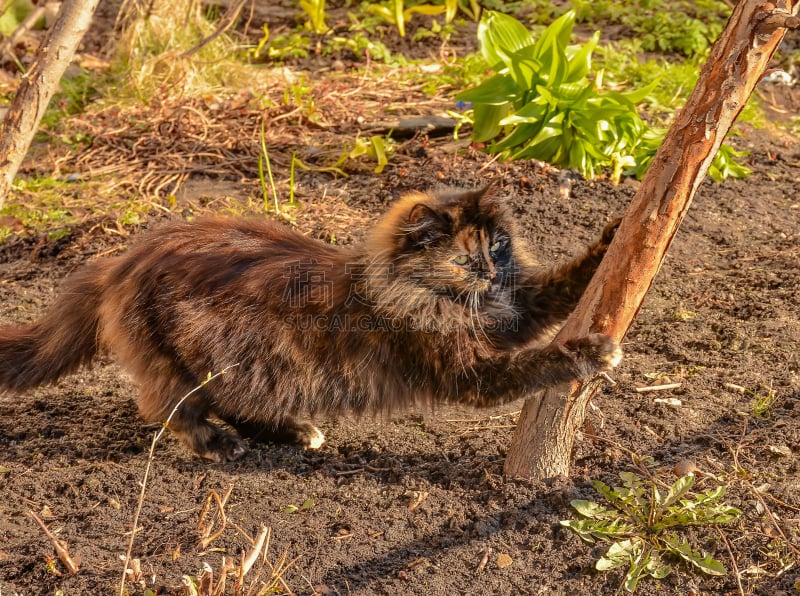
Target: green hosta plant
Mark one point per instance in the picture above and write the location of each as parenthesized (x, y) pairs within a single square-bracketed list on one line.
[(541, 104), (642, 525), (723, 166)]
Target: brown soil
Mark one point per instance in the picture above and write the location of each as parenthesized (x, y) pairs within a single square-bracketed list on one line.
[(412, 505)]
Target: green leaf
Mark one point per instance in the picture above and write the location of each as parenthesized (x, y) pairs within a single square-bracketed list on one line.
[(705, 562), (551, 47), (557, 35), (549, 150), (486, 121), (382, 11), (583, 527), (630, 480), (605, 490), (399, 17), (379, 151), (637, 96), (572, 94), (724, 165), (659, 570), (533, 112), (499, 89), (633, 576), (546, 145), (578, 158), (425, 9), (500, 36), (516, 137), (525, 71), (590, 509), (678, 490), (619, 554), (580, 59), (611, 529), (548, 131)]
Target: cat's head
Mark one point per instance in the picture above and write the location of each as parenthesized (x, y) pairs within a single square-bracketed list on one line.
[(456, 243)]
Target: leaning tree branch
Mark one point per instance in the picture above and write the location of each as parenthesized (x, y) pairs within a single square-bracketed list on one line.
[(544, 439), (38, 86)]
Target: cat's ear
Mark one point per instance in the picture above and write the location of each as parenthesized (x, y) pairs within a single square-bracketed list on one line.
[(424, 225), (489, 200)]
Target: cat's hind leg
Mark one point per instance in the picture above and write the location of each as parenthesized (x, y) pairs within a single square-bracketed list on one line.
[(287, 430), (190, 421)]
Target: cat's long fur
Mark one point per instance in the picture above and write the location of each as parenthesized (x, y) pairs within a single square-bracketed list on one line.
[(440, 303)]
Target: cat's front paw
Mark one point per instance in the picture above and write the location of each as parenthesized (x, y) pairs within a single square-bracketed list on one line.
[(309, 436), (225, 447), (602, 352)]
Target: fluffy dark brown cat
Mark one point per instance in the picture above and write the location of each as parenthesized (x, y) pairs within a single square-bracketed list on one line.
[(441, 303)]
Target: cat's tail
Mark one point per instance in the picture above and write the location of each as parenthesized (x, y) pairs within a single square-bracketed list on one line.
[(64, 339)]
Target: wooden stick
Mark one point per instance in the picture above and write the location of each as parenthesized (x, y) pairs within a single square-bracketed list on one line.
[(665, 387)]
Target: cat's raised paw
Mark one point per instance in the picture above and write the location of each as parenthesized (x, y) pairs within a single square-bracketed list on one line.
[(609, 352), (601, 350)]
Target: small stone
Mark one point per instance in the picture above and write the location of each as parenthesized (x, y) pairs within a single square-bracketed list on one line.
[(685, 467), (780, 450), (503, 560)]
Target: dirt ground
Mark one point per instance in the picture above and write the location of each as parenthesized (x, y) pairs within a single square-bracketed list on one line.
[(418, 504)]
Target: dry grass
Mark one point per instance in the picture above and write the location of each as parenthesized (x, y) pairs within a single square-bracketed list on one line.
[(175, 46), (152, 149)]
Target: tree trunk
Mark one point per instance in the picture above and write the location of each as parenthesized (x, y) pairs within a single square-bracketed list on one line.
[(543, 442), (38, 86)]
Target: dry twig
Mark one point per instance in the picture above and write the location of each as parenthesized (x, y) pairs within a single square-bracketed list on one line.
[(58, 545), (205, 529), (484, 560), (226, 22), (665, 387)]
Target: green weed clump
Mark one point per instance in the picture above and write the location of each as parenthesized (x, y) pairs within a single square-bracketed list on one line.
[(643, 525), (687, 28), (398, 14)]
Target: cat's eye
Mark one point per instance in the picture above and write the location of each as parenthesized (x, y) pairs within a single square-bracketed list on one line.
[(497, 246), (461, 260)]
